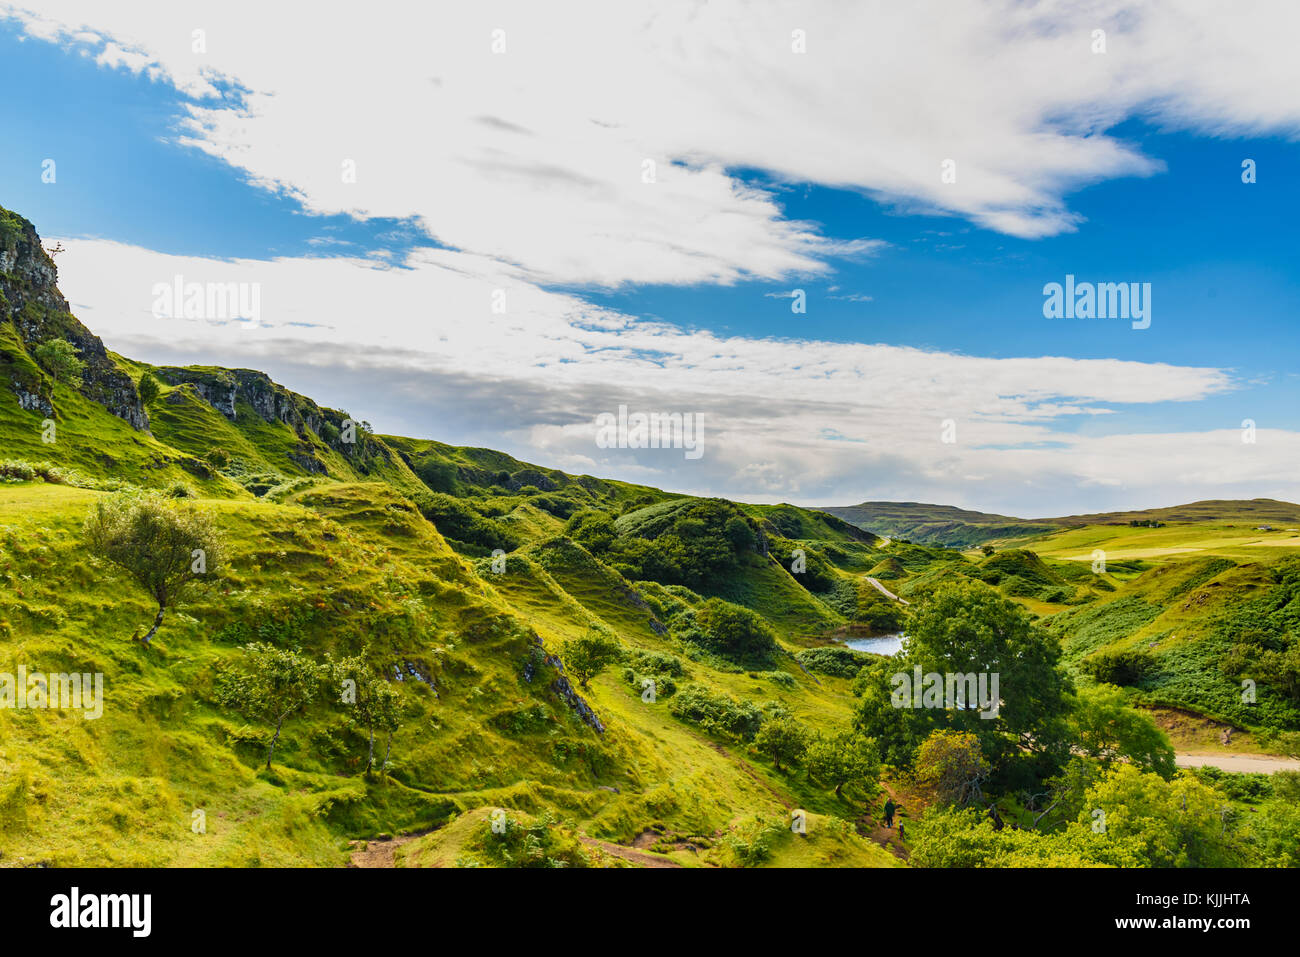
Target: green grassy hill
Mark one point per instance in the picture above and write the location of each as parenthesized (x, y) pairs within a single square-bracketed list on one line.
[(934, 524), (380, 546), (463, 576)]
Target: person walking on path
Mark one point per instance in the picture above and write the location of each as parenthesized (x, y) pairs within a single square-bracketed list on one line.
[(890, 807)]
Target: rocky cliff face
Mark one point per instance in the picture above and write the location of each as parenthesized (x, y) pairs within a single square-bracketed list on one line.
[(227, 389), (31, 301), (224, 389)]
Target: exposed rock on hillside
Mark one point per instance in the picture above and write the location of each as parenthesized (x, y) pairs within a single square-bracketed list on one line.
[(31, 301)]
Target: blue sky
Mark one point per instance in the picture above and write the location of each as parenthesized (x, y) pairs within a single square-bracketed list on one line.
[(950, 280)]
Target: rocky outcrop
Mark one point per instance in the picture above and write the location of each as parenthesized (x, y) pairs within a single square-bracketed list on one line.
[(30, 299), (226, 390), (563, 687)]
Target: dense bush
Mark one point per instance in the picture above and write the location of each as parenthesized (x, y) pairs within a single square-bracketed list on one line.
[(733, 632), (540, 842), (694, 543), (717, 713), (457, 520), (835, 661), (1122, 666), (437, 473)]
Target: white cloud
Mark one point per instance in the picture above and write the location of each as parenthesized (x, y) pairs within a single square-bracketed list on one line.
[(537, 156), (418, 350), (531, 167)]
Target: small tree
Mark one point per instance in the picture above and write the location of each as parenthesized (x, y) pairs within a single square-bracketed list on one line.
[(846, 759), (59, 358), (951, 765), (274, 684), (782, 738), (388, 716), (148, 387), (162, 544), (591, 654), (375, 704)]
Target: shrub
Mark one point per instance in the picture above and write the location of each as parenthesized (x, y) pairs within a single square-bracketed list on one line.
[(541, 842), (457, 520), (736, 633), (718, 714), (837, 662), (59, 358), (1123, 666), (437, 473)]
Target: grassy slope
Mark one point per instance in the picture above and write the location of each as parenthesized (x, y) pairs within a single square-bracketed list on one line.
[(356, 564)]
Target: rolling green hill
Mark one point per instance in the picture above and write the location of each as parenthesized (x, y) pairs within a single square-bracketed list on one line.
[(469, 583), (934, 524), (342, 544)]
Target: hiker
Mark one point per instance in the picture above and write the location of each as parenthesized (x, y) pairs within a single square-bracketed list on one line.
[(901, 835), (889, 812)]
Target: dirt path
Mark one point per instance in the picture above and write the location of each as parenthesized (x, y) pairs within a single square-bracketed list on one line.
[(629, 854), (381, 853), (1236, 763), (884, 836), (885, 591)]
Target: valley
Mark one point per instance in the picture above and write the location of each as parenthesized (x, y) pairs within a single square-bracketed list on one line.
[(587, 672)]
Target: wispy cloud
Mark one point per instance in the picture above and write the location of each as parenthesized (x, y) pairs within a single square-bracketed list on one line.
[(602, 154)]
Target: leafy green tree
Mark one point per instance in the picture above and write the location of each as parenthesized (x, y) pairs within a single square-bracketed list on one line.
[(588, 656), (1178, 823), (147, 387), (782, 739), (847, 759), (738, 532), (274, 684), (162, 544), (968, 628), (950, 765), (1066, 792), (59, 358), (1103, 726), (1273, 835), (963, 837), (375, 705)]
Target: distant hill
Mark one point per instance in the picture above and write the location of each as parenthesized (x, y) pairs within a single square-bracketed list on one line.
[(935, 524), (946, 525), (1259, 510)]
